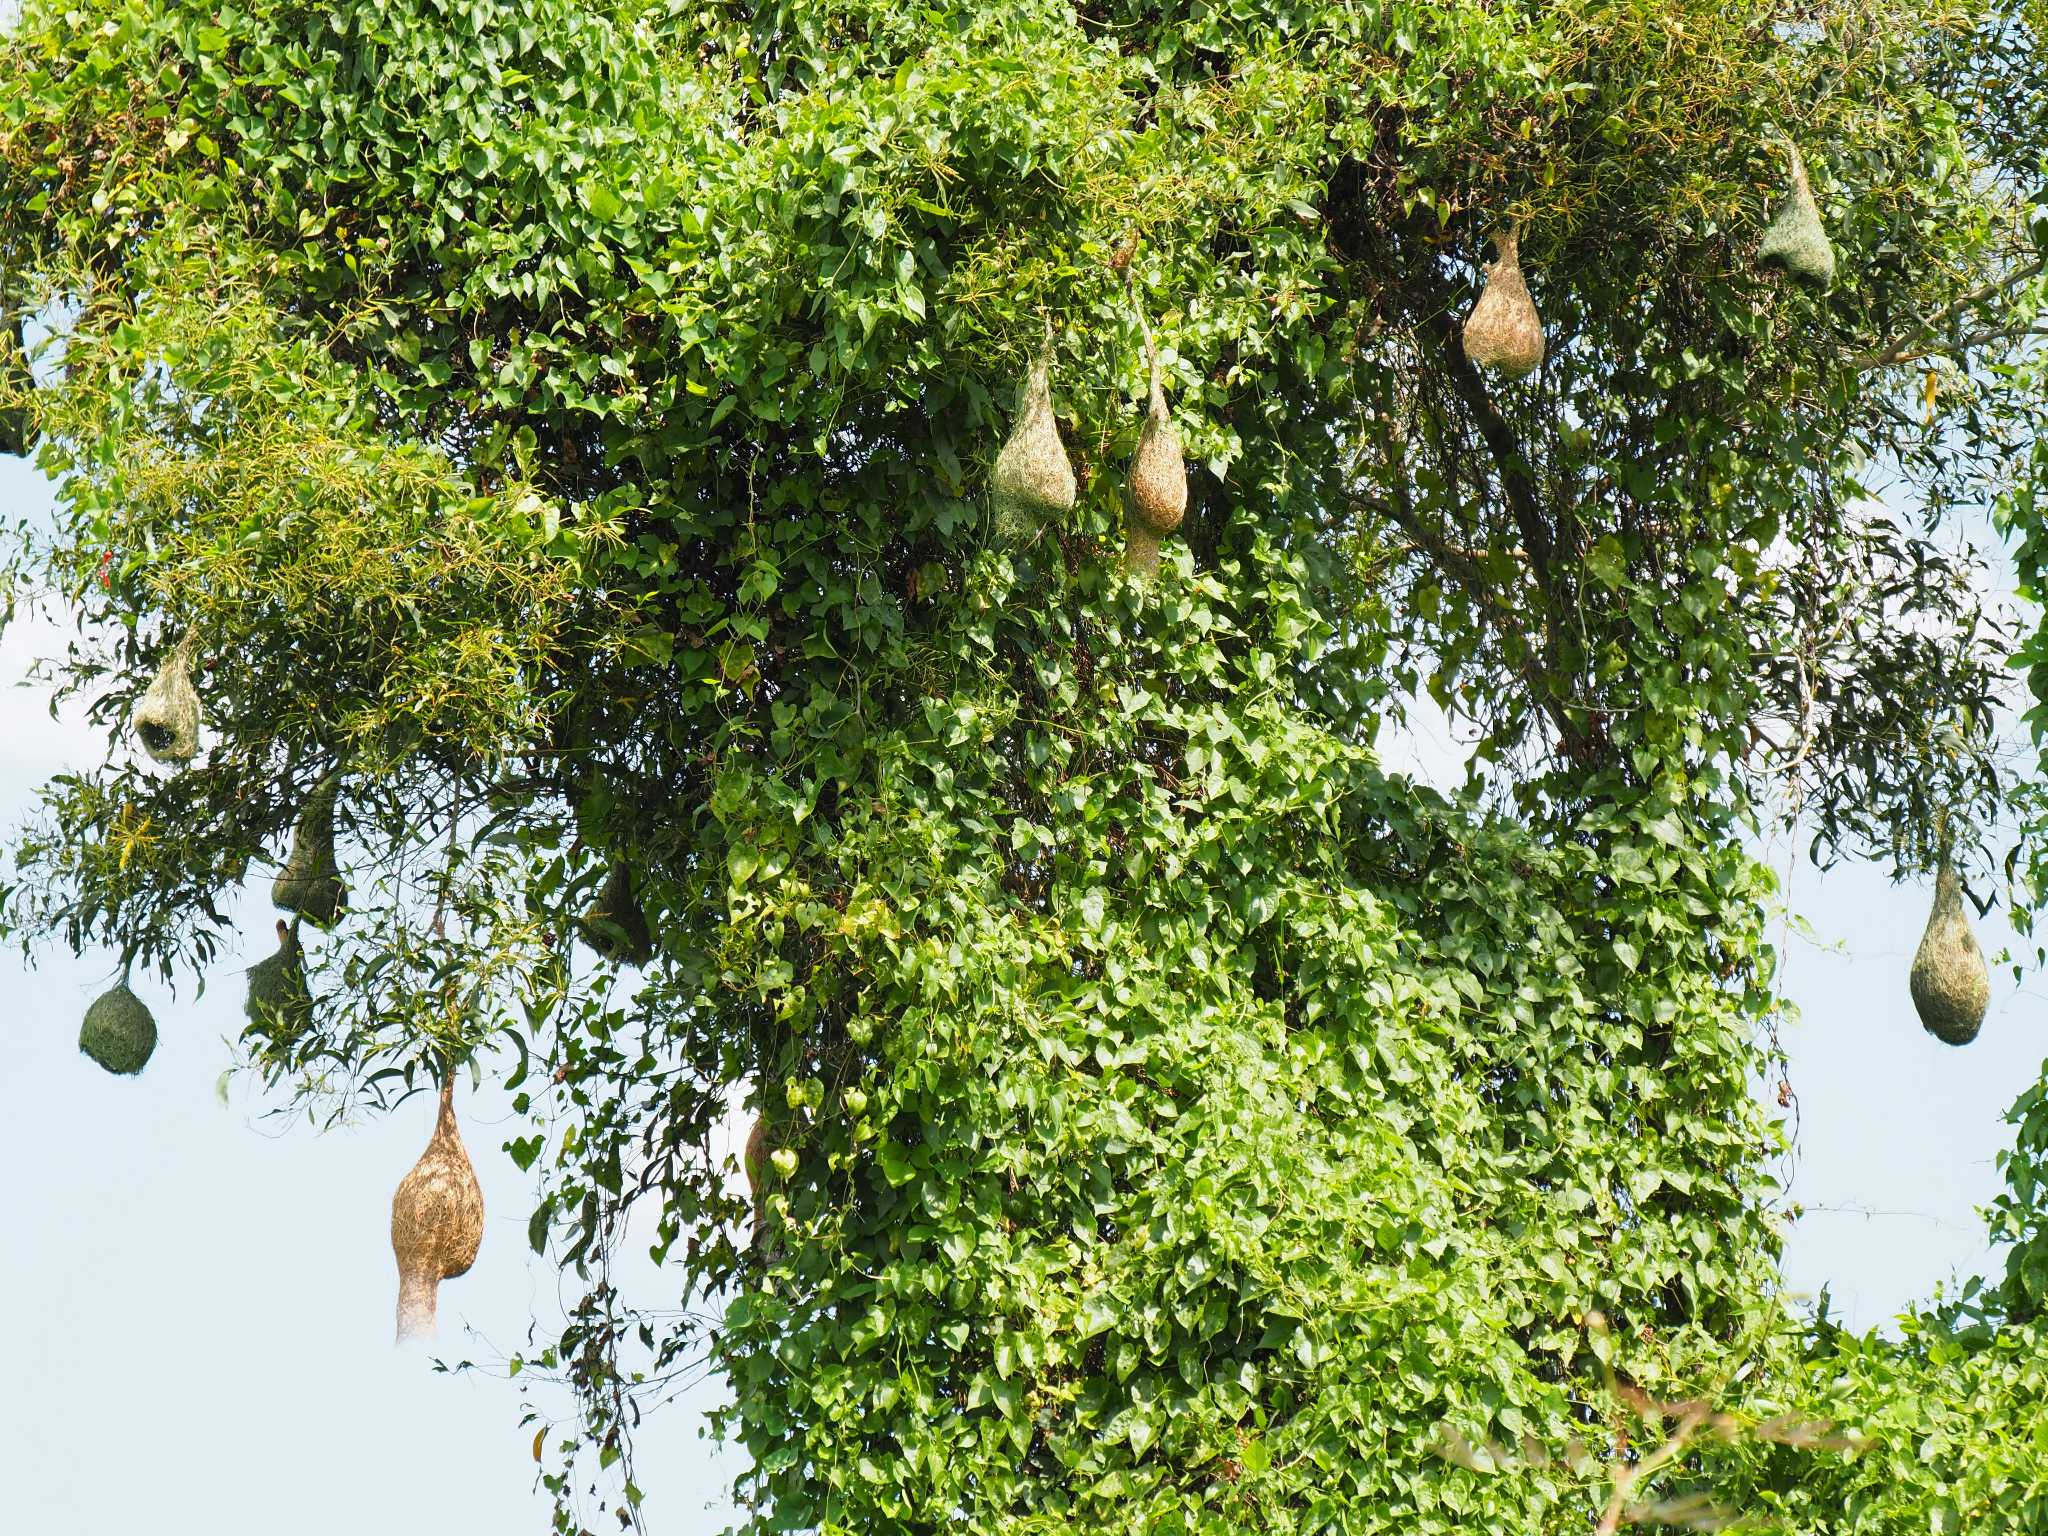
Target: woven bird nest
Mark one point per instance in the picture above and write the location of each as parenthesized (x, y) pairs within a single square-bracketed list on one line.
[(1504, 332), (1032, 481), (437, 1222), (1951, 987), (1795, 241), (278, 1000), (166, 717), (1157, 488), (119, 1032), (616, 926), (310, 883)]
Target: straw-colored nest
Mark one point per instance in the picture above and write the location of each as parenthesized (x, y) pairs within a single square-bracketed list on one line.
[(1157, 489), (616, 926), (437, 1222), (166, 718), (1504, 332), (1951, 987), (119, 1032), (1795, 241), (310, 883), (1032, 481)]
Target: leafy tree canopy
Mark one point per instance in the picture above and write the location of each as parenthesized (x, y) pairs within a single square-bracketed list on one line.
[(566, 427)]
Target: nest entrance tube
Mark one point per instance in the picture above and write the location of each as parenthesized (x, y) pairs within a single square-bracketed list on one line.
[(310, 884), (1950, 985), (1157, 489), (119, 1032), (437, 1222), (1504, 332), (1032, 480), (1795, 241), (166, 717)]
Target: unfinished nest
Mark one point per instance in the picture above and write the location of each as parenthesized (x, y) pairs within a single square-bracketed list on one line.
[(119, 1032), (1951, 987), (1157, 488), (437, 1222), (615, 926), (1504, 332), (310, 883), (166, 717), (1795, 241), (756, 1160), (1032, 481), (278, 1001)]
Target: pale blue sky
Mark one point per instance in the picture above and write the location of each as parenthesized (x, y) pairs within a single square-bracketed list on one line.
[(204, 1296)]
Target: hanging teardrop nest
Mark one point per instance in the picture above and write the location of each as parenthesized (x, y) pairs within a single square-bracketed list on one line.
[(437, 1222), (1504, 332), (1796, 241), (759, 1148), (1951, 986), (279, 1003), (166, 717), (119, 1032), (1157, 487), (310, 883), (1032, 482), (15, 378), (615, 926)]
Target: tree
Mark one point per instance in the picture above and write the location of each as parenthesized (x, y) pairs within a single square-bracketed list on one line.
[(566, 427)]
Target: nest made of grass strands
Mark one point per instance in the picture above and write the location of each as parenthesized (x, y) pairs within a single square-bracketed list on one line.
[(1032, 480), (1950, 984), (437, 1222), (166, 718), (279, 1001), (1504, 332), (119, 1032), (15, 433), (1157, 488), (1796, 241), (615, 926), (310, 883)]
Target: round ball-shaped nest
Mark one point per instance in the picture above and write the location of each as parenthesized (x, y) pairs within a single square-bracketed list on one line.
[(119, 1032)]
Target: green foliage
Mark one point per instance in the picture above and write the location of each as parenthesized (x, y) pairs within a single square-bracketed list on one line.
[(575, 422)]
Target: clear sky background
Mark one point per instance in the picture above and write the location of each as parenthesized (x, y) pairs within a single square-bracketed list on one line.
[(202, 1296)]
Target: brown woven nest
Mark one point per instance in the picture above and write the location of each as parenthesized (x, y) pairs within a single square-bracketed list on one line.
[(166, 718), (1951, 986), (437, 1222), (1157, 488), (1033, 481), (1504, 332)]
